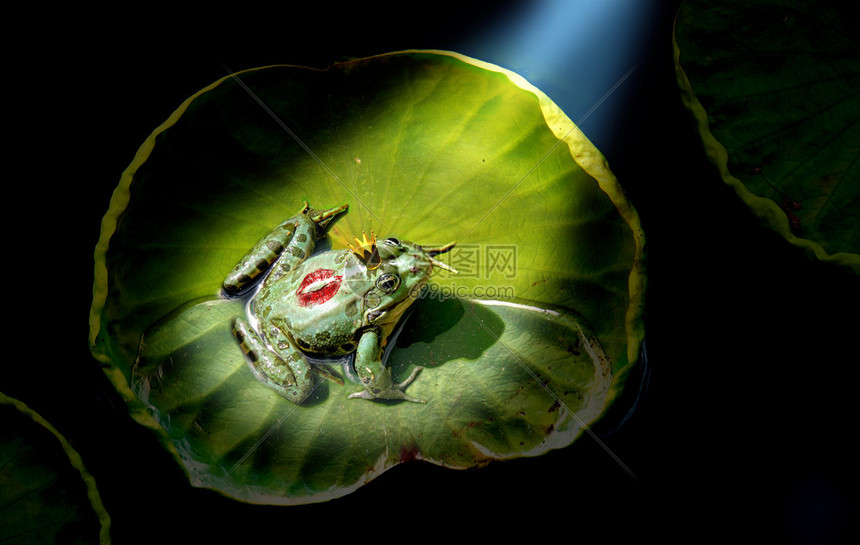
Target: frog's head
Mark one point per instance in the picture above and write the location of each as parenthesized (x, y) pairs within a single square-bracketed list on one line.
[(400, 269), (414, 262)]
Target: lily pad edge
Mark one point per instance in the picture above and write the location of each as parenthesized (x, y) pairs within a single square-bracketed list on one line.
[(766, 210), (76, 462)]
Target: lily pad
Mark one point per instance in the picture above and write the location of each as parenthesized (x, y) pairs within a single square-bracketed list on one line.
[(509, 399), (46, 493), (773, 88), (527, 345)]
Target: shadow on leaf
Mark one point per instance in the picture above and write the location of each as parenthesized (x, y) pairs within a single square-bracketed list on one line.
[(442, 331)]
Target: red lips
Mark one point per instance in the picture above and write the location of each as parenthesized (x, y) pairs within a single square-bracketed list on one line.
[(318, 287)]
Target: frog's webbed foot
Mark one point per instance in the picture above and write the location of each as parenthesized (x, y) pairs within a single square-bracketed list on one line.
[(394, 391), (290, 376), (323, 217), (412, 375)]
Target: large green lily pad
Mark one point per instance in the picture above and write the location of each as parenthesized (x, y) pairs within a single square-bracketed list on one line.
[(773, 87), (46, 493), (527, 345)]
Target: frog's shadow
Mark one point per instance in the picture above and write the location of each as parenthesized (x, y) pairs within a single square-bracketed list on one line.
[(432, 334), (439, 331)]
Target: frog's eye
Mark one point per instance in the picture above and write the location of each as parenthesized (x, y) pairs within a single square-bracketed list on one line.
[(388, 282), (391, 241)]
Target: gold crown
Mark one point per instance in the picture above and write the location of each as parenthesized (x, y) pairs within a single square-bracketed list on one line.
[(366, 250)]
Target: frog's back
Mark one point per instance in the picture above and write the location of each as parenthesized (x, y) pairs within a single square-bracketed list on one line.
[(319, 304)]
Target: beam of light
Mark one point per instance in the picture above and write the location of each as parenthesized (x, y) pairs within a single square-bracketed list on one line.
[(574, 51)]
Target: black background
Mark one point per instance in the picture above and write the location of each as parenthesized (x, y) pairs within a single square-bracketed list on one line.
[(745, 429)]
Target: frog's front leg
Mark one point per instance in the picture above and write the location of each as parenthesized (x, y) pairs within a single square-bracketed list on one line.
[(373, 374), (293, 239), (288, 371)]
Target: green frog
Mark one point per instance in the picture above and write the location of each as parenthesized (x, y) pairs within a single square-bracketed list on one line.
[(326, 305)]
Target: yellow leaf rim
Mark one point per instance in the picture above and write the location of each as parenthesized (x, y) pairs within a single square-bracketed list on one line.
[(76, 462), (765, 209)]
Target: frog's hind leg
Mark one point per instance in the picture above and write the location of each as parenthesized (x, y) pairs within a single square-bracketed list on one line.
[(289, 376), (296, 249), (259, 258), (311, 226), (293, 239)]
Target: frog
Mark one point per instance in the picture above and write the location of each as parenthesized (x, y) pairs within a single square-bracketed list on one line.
[(332, 305)]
